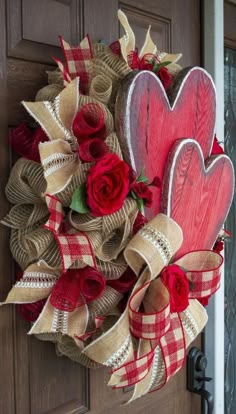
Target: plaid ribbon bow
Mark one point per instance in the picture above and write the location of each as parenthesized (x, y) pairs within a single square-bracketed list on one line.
[(163, 336), (78, 62), (74, 245)]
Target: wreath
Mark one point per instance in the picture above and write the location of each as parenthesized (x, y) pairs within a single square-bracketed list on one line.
[(118, 201)]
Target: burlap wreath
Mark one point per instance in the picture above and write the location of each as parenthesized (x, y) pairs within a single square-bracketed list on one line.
[(106, 330)]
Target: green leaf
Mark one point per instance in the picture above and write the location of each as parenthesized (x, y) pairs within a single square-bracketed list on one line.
[(160, 65), (140, 203), (133, 195), (78, 202), (141, 173), (142, 179)]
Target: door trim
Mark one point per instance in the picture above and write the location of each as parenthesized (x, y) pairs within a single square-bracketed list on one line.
[(213, 60)]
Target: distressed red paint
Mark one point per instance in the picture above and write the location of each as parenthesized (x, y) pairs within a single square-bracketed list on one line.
[(148, 123)]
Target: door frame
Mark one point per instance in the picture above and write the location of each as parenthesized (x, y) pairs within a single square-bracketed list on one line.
[(213, 61)]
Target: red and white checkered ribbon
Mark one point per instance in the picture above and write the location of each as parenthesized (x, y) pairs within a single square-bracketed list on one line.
[(73, 245), (78, 62), (163, 328)]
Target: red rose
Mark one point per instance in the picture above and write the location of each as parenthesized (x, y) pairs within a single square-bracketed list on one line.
[(216, 149), (177, 283), (107, 185), (165, 77), (218, 246), (142, 191)]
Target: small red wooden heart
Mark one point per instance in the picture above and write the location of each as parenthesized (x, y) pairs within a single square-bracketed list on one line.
[(197, 195), (148, 123)]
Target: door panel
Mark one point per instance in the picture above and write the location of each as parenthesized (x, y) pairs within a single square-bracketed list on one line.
[(33, 379)]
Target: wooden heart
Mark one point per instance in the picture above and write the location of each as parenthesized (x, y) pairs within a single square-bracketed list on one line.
[(148, 123), (197, 195)]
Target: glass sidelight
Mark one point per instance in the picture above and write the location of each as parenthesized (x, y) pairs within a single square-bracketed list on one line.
[(230, 246)]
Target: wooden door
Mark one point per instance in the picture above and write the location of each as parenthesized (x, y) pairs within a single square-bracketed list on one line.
[(33, 379)]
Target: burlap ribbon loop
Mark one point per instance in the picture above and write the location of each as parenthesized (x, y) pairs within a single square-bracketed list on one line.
[(163, 336)]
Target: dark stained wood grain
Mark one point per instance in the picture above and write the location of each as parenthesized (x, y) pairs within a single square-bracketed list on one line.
[(148, 125), (7, 403), (230, 24), (197, 195), (33, 28)]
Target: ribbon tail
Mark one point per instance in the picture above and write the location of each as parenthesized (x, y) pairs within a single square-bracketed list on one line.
[(36, 284), (57, 322), (127, 42), (114, 347), (148, 46), (64, 72), (59, 163), (44, 114)]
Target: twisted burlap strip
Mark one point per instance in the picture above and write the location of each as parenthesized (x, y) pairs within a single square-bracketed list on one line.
[(29, 242), (163, 336), (106, 63), (115, 229), (67, 346), (48, 93), (101, 88), (22, 215), (105, 303), (54, 87), (26, 183), (55, 77), (110, 67), (33, 244)]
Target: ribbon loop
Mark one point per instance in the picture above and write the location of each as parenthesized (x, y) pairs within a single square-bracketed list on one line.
[(163, 336), (203, 269), (154, 245)]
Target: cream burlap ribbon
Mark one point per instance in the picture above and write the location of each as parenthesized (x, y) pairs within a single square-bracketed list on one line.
[(147, 253), (127, 45)]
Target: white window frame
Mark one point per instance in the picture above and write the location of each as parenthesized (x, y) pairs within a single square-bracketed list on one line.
[(213, 59)]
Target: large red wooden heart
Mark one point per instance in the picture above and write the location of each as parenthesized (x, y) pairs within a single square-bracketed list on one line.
[(148, 123), (197, 195)]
